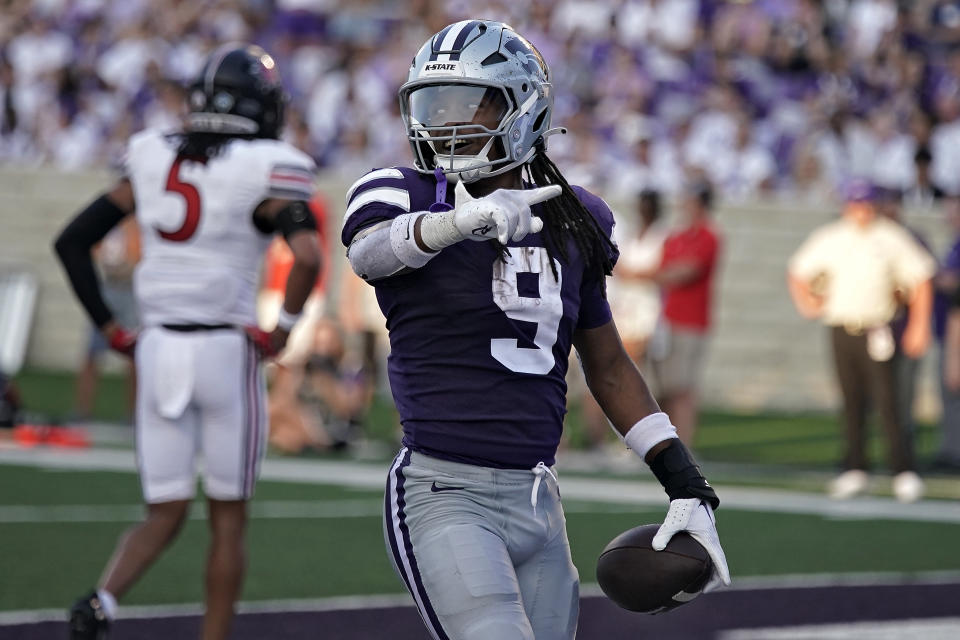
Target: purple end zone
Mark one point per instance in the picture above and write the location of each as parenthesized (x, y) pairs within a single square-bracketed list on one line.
[(599, 618), (403, 623), (745, 609)]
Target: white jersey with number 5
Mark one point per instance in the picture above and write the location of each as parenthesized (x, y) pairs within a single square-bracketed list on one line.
[(201, 251)]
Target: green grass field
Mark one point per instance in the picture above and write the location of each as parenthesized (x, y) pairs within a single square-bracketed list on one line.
[(58, 527), (45, 564)]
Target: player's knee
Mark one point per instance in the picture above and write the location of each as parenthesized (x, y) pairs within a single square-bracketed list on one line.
[(488, 617), (494, 627), (555, 613), (557, 620), (227, 519), (168, 518)]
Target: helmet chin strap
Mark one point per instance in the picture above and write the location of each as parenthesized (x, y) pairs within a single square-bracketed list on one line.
[(469, 175), (465, 167), (485, 172)]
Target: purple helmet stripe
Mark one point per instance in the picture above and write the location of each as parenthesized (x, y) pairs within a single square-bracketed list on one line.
[(462, 38), (438, 41)]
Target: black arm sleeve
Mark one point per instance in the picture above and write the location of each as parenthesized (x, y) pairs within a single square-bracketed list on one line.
[(73, 246), (295, 217), (680, 476)]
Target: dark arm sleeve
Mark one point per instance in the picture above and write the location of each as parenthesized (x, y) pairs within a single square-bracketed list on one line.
[(73, 247)]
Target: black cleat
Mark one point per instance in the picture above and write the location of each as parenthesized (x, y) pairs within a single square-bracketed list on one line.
[(88, 620)]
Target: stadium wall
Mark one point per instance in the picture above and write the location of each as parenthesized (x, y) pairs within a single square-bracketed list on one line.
[(762, 354)]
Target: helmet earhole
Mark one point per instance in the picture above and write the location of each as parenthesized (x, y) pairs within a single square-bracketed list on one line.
[(524, 87)]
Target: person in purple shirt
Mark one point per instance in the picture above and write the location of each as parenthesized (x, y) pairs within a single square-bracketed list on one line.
[(946, 283), (488, 267)]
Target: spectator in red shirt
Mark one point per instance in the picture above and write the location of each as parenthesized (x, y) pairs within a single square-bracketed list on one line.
[(686, 275)]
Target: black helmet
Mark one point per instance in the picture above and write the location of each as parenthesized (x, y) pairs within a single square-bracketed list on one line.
[(238, 92)]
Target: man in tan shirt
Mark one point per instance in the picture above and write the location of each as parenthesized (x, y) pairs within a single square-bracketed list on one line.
[(850, 274)]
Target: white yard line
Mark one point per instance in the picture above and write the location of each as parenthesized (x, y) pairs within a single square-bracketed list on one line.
[(931, 629), (634, 492), (259, 509), (265, 509), (339, 603)]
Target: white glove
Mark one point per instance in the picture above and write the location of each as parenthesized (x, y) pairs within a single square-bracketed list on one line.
[(696, 518), (504, 214)]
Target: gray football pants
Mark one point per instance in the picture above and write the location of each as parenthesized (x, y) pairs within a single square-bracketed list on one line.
[(481, 562)]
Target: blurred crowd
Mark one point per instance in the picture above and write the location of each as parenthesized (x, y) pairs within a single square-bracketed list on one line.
[(787, 97), (768, 98)]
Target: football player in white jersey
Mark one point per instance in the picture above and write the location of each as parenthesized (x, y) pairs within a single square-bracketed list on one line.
[(207, 201)]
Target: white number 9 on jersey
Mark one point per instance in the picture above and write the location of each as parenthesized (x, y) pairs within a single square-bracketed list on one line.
[(545, 311)]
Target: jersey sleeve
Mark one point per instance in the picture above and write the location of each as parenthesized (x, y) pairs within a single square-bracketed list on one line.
[(141, 150), (912, 263), (594, 307), (382, 194), (290, 175), (810, 259)]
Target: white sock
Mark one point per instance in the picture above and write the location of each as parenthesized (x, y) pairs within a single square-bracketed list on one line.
[(108, 602)]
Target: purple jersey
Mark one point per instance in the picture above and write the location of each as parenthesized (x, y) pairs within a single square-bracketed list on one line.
[(479, 344)]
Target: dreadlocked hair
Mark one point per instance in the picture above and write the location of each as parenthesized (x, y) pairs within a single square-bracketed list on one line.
[(566, 217), (203, 144)]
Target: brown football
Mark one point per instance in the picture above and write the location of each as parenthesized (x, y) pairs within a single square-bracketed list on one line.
[(638, 578)]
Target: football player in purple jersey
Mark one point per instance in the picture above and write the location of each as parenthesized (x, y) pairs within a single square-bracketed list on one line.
[(488, 267)]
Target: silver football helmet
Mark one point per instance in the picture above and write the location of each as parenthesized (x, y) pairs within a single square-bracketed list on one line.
[(476, 101)]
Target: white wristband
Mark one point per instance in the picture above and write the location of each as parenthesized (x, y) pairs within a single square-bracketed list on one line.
[(404, 243), (649, 432), (438, 229), (286, 320)]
